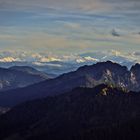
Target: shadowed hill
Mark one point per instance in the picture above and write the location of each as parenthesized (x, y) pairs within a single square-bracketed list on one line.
[(98, 113), (17, 77)]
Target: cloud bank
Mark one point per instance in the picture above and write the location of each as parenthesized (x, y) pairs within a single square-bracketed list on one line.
[(63, 26)]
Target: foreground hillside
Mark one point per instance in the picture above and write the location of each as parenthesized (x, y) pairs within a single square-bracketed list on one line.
[(98, 113), (108, 73)]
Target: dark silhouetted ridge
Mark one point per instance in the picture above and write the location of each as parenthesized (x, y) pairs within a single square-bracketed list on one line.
[(96, 113)]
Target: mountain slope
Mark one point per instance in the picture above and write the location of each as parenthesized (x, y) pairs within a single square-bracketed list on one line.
[(16, 77), (33, 71), (3, 110), (108, 73), (98, 113)]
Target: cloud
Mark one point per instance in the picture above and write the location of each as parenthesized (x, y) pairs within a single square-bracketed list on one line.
[(47, 64), (115, 33), (72, 25), (3, 4), (9, 59), (103, 5), (49, 59), (116, 53), (64, 26), (136, 54), (86, 59), (9, 38), (89, 58), (56, 63)]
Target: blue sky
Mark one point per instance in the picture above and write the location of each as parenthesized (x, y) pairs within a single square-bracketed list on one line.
[(62, 27)]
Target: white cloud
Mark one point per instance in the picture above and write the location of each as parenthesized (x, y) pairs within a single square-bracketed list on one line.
[(9, 59), (88, 58), (49, 59), (47, 64), (44, 59), (80, 60)]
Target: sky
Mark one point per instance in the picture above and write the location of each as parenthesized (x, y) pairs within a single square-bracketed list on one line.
[(69, 28)]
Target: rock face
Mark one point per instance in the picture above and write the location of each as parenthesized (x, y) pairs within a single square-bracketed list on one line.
[(108, 73), (17, 77), (135, 71), (98, 113)]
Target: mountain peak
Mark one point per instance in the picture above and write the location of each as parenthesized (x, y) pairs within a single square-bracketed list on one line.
[(136, 66), (106, 64)]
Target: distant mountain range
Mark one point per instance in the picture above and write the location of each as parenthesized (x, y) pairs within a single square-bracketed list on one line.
[(108, 73), (20, 76), (100, 113)]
